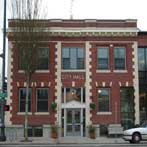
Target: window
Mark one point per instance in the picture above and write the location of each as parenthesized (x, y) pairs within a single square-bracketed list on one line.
[(22, 100), (42, 100), (142, 59), (102, 59), (43, 54), (40, 60), (119, 58), (127, 107), (103, 100), (35, 131), (76, 94), (73, 58), (21, 59)]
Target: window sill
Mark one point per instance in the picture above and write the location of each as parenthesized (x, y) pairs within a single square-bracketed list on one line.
[(72, 70), (23, 113), (42, 71), (104, 113), (42, 113), (103, 71), (37, 71), (120, 71)]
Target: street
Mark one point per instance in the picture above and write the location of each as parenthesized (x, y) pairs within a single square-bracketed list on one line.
[(142, 144)]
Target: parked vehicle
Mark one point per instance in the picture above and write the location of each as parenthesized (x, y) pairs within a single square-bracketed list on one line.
[(135, 135)]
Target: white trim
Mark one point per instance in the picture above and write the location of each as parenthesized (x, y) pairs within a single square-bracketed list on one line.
[(42, 71), (82, 29), (120, 71), (36, 71), (136, 82), (58, 86), (88, 87), (8, 114), (70, 70), (23, 113), (41, 113), (127, 83), (103, 71), (103, 84), (73, 83), (104, 113)]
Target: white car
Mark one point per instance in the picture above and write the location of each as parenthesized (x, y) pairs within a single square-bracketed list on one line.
[(135, 135)]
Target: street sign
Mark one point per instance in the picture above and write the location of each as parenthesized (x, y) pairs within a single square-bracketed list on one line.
[(3, 95)]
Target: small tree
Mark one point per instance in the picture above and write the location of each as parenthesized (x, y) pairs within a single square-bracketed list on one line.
[(27, 33)]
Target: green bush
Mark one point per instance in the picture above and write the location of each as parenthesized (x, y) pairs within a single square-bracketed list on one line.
[(92, 106)]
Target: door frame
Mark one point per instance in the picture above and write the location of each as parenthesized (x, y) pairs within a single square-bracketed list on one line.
[(81, 120)]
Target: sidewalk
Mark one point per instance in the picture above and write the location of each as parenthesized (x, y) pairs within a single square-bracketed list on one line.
[(69, 140)]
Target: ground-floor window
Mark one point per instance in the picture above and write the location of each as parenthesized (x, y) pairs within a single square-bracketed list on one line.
[(127, 107), (22, 99), (143, 102), (42, 99), (35, 131), (103, 100)]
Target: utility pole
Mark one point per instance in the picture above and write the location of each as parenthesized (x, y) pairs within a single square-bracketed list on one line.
[(2, 100)]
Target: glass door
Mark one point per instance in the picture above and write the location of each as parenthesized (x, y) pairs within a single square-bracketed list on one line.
[(73, 122)]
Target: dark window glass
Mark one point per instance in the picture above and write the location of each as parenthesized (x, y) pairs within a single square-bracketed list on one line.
[(41, 61), (119, 58), (141, 59), (21, 59), (42, 100), (103, 100), (73, 58), (102, 58), (43, 58), (35, 131), (22, 100), (127, 107)]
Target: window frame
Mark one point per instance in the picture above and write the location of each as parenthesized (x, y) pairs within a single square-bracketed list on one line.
[(108, 63), (77, 58), (30, 89), (109, 98), (39, 69), (125, 58), (39, 88)]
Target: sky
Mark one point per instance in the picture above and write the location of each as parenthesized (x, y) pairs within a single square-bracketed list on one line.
[(90, 9)]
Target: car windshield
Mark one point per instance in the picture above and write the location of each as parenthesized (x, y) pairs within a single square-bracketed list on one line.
[(144, 125)]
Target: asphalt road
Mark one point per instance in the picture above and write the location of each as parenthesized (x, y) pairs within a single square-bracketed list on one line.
[(144, 144)]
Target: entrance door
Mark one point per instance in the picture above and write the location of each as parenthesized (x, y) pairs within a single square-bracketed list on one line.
[(74, 125)]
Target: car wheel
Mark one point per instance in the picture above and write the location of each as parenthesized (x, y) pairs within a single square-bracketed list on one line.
[(131, 141), (136, 138)]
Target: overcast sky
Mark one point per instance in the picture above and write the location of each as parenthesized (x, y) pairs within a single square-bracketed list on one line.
[(96, 9)]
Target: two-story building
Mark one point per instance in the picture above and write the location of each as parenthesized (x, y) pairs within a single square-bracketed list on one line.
[(89, 68)]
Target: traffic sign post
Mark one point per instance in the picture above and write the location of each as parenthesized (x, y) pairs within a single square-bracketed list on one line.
[(3, 95), (2, 125)]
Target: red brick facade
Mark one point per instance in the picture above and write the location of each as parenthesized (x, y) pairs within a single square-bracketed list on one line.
[(107, 37)]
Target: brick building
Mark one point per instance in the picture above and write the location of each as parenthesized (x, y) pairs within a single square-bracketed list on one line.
[(84, 64)]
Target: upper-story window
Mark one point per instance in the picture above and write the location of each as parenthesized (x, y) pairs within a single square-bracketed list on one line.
[(42, 60), (102, 58), (73, 58), (142, 59), (119, 58)]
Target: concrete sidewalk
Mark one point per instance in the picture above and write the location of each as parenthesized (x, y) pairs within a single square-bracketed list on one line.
[(69, 140)]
